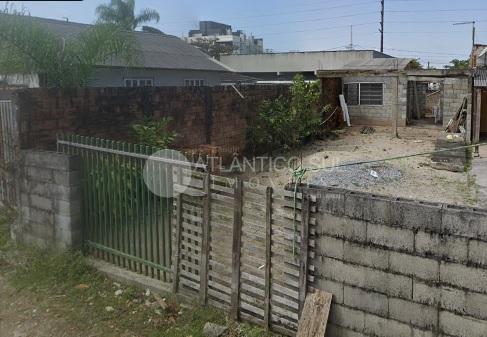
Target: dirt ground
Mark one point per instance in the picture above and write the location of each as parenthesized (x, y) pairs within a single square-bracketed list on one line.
[(418, 180), (21, 316)]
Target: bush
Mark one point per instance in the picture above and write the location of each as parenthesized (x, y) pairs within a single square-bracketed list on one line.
[(286, 123), (155, 133)]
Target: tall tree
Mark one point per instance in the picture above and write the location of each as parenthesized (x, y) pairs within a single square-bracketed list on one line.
[(27, 47), (457, 64), (122, 13), (213, 48), (415, 64)]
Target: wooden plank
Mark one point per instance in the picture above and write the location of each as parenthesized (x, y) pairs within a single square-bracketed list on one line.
[(237, 233), (315, 315), (205, 240), (268, 248), (179, 223), (303, 256)]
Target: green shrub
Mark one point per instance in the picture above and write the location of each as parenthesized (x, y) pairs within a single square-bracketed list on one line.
[(155, 133), (286, 123)]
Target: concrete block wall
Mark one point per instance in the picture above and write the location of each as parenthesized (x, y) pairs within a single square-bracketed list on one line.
[(380, 114), (399, 267), (50, 200), (454, 90)]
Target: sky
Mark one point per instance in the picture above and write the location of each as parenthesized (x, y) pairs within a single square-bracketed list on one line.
[(413, 28)]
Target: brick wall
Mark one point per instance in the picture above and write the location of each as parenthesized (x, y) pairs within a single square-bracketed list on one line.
[(216, 115), (399, 267), (50, 200)]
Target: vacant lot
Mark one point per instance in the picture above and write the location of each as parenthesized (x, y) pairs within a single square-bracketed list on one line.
[(409, 178)]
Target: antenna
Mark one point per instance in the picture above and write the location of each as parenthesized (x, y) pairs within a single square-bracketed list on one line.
[(351, 45), (473, 28), (381, 29)]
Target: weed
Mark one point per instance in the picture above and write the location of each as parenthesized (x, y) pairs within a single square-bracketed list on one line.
[(86, 299)]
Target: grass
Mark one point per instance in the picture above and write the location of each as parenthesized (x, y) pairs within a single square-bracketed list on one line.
[(69, 287)]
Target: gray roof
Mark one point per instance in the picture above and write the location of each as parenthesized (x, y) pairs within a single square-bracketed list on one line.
[(480, 78), (159, 51), (378, 64)]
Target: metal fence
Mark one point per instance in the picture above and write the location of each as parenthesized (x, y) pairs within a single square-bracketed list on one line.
[(240, 247), (127, 219), (8, 151)]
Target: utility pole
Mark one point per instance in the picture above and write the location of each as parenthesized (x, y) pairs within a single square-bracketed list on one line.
[(473, 29), (381, 30)]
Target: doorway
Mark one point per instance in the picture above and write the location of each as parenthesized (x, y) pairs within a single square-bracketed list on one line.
[(483, 116), (424, 103)]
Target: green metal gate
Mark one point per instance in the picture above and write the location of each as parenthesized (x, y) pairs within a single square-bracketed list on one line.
[(126, 221)]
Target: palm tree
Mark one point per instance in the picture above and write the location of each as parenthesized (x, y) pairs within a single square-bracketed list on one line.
[(27, 47), (122, 13)]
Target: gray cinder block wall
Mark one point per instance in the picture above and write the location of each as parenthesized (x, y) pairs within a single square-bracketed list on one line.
[(399, 267), (49, 200)]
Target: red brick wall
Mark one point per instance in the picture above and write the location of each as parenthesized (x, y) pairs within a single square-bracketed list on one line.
[(216, 116)]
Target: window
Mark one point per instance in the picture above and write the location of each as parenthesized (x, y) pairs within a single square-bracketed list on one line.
[(351, 93), (364, 93), (194, 83), (138, 82)]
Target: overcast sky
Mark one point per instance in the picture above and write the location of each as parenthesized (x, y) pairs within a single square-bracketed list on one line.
[(414, 28)]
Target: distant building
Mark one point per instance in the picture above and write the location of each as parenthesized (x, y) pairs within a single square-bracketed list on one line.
[(221, 33), (165, 61), (282, 67)]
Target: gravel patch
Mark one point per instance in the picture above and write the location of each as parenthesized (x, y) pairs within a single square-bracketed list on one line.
[(356, 175)]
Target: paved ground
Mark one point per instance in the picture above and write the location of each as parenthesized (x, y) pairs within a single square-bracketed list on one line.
[(479, 169)]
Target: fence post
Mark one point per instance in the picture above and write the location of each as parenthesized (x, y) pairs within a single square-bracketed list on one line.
[(205, 239), (236, 248), (303, 251), (268, 243), (177, 243)]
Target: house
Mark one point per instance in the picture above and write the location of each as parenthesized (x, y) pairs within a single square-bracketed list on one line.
[(223, 34), (282, 67), (165, 61), (478, 62), (390, 92)]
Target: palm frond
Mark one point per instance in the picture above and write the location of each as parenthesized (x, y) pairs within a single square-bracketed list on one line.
[(122, 12), (27, 47), (146, 15)]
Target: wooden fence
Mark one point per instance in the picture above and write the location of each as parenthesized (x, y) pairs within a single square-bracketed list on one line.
[(8, 151), (243, 248)]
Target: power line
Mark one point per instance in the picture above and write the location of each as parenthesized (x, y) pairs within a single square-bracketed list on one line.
[(316, 29), (312, 20), (439, 10), (285, 13)]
